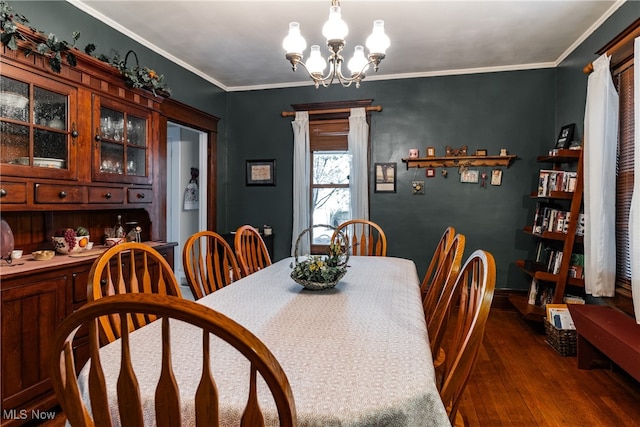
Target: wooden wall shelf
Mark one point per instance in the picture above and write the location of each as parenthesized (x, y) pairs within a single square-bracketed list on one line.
[(457, 161)]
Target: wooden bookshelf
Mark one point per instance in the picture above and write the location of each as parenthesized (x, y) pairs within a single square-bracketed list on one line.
[(559, 280)]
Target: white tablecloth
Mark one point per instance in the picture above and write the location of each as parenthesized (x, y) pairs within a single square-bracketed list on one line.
[(355, 355)]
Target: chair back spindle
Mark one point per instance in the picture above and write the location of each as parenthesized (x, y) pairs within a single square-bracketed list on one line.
[(148, 273), (366, 238), (251, 251), (167, 398), (473, 294), (209, 263)]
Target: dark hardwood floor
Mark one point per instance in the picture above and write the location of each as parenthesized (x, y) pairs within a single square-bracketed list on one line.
[(521, 381)]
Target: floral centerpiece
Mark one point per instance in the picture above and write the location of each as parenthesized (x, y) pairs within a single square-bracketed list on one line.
[(317, 272)]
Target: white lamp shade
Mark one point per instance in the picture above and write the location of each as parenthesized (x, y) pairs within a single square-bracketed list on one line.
[(294, 42), (358, 63), (378, 41), (316, 63), (335, 28)]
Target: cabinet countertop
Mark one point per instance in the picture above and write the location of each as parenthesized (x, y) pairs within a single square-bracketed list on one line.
[(27, 263)]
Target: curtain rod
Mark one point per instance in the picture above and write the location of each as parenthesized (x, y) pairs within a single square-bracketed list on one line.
[(621, 45), (330, 111)]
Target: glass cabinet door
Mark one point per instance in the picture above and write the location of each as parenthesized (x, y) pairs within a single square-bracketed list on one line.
[(122, 147), (37, 126)]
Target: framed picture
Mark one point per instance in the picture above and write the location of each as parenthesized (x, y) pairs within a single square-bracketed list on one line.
[(431, 152), (469, 176), (431, 173), (385, 177), (261, 172), (565, 136), (496, 177)]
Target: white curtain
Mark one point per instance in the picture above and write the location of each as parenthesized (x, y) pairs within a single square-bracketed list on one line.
[(358, 140), (301, 173), (600, 145), (634, 214)]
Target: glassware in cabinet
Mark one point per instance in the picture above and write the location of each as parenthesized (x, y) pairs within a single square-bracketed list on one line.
[(37, 126), (121, 142)]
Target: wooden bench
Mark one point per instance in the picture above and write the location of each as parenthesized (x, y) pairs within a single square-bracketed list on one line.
[(605, 333)]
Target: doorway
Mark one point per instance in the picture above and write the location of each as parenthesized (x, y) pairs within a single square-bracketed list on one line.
[(186, 151)]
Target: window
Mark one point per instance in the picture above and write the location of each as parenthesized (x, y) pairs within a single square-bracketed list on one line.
[(330, 169), (622, 70), (624, 182)]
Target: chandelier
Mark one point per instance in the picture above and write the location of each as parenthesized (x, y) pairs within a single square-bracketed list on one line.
[(335, 30)]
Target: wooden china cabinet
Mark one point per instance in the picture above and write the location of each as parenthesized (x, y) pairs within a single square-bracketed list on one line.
[(78, 148)]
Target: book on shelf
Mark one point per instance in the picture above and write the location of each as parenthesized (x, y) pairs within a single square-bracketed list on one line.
[(556, 180), (533, 291), (543, 183), (544, 295), (573, 299)]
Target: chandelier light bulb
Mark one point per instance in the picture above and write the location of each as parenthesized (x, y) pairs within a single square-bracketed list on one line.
[(294, 42), (335, 28), (378, 42), (358, 62), (316, 63)]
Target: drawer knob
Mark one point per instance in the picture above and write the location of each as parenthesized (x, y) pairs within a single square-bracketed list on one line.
[(3, 192), (107, 196), (140, 196), (62, 194)]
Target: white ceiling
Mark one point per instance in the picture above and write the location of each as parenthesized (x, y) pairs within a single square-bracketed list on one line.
[(237, 45)]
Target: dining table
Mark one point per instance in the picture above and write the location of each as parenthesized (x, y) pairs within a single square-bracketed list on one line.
[(355, 355)]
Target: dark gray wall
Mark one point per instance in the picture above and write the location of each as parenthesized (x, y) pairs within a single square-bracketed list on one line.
[(520, 111), (512, 110)]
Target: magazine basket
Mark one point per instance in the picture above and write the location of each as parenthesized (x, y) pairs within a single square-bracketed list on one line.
[(563, 341), (342, 265)]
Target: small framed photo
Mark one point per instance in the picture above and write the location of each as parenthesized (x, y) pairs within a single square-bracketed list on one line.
[(481, 152), (431, 152), (261, 172), (565, 136), (470, 176), (496, 177), (431, 173), (385, 177)]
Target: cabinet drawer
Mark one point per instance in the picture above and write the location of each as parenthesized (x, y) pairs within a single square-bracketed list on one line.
[(106, 195), (13, 192), (140, 195), (49, 193)]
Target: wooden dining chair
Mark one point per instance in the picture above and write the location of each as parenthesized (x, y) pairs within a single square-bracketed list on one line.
[(473, 296), (366, 238), (251, 251), (167, 395), (436, 258), (209, 263), (438, 298), (129, 268)]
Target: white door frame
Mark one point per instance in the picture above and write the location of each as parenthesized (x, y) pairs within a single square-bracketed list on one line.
[(175, 169)]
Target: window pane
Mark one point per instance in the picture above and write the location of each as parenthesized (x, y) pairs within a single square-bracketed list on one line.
[(330, 207), (331, 167)]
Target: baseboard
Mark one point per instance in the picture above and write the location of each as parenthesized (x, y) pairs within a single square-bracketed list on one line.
[(501, 298)]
